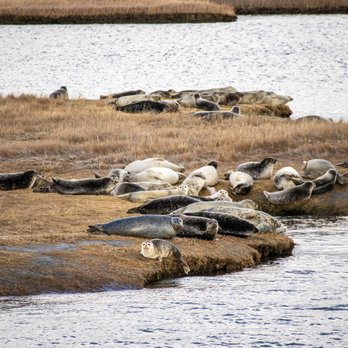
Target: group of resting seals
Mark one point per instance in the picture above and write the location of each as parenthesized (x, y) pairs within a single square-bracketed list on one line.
[(209, 100)]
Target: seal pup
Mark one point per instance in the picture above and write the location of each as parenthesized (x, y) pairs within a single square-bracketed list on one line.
[(140, 165), (159, 249), (202, 206), (290, 195), (209, 171), (198, 227), (263, 221), (241, 183), (144, 196), (229, 224), (283, 178), (97, 186), (258, 170), (155, 174), (148, 226), (204, 104), (61, 93), (19, 180)]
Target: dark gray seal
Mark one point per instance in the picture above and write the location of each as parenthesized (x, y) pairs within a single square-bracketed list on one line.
[(164, 205), (61, 93), (101, 186), (16, 181), (160, 249), (229, 224), (149, 226), (145, 106), (205, 104), (290, 195), (198, 227), (258, 170), (127, 187)]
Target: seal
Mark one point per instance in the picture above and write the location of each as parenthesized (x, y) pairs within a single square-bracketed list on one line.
[(61, 93), (140, 165), (204, 104), (241, 183), (148, 226), (221, 195), (213, 115), (131, 99), (195, 182), (283, 178), (128, 187), (258, 170), (213, 97), (145, 106), (263, 97), (290, 195), (201, 206), (117, 173), (198, 227), (159, 249), (156, 175), (316, 167), (314, 118), (343, 164), (144, 196), (97, 186), (19, 180), (164, 94), (229, 224), (209, 171), (230, 99), (163, 205), (122, 94), (263, 221)]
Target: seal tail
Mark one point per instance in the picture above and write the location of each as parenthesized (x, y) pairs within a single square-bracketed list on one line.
[(185, 266), (135, 210), (95, 228)]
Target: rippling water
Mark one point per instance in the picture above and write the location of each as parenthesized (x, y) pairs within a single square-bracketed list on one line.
[(301, 56), (299, 301)]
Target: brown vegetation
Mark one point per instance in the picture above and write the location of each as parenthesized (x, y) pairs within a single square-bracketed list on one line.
[(112, 11), (286, 6)]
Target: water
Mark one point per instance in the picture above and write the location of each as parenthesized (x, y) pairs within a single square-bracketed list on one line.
[(301, 56), (298, 301)]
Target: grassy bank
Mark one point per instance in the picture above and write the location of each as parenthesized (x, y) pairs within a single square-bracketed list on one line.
[(112, 11), (287, 6), (44, 245)]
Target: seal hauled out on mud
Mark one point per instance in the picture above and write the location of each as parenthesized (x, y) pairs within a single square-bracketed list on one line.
[(148, 226), (241, 183), (290, 195), (140, 165), (16, 181), (159, 249), (258, 170), (94, 186)]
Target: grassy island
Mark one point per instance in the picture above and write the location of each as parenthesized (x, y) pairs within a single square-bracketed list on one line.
[(44, 245)]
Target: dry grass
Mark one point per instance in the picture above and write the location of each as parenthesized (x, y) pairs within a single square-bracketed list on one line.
[(281, 6), (57, 136), (110, 10)]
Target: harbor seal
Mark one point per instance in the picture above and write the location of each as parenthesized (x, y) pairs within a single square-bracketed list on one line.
[(343, 164), (131, 99), (127, 187), (241, 183), (201, 206), (198, 227), (210, 172), (160, 249), (140, 165), (144, 196), (97, 186), (263, 221), (213, 97), (146, 106), (116, 173), (213, 115), (283, 178), (221, 195), (258, 170), (229, 224), (187, 101), (263, 97), (148, 226), (316, 167), (195, 182), (290, 195), (204, 104), (19, 180), (61, 93), (156, 175)]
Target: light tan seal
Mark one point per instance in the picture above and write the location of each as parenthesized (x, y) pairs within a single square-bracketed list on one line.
[(140, 165), (160, 249)]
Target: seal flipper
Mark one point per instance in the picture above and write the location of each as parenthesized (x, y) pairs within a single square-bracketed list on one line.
[(97, 228), (98, 176)]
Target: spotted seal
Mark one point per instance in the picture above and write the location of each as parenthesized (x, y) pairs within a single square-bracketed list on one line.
[(148, 226), (241, 183), (210, 172), (195, 182), (97, 186), (144, 196), (229, 224), (258, 170), (283, 177), (316, 167), (204, 104), (131, 99), (19, 180), (61, 93), (159, 249), (140, 165), (290, 195)]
